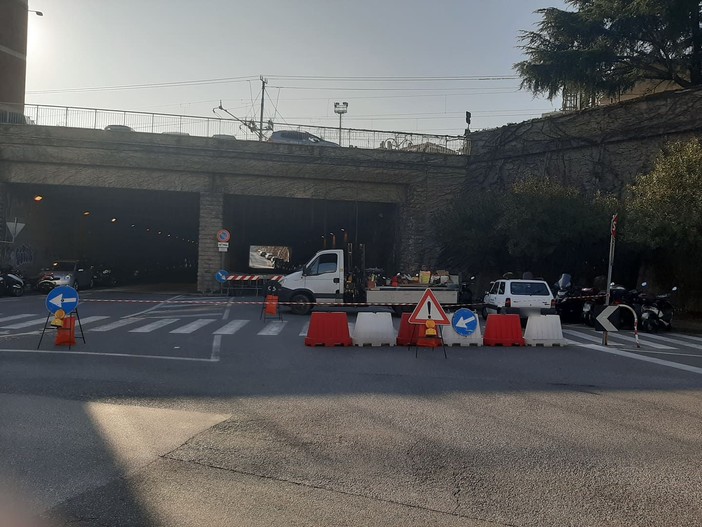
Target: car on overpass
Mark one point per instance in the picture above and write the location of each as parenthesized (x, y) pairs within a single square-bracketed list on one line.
[(293, 137)]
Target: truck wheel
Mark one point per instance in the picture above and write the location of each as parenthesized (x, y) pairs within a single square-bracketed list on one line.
[(300, 304)]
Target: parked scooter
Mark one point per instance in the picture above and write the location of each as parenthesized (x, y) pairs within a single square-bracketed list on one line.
[(570, 301), (656, 311), (11, 282)]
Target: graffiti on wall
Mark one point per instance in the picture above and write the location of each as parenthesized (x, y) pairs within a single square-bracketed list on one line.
[(22, 255)]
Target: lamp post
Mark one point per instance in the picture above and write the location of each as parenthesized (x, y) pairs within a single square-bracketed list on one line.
[(341, 108)]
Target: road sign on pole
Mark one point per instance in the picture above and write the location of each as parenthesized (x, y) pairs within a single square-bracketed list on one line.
[(429, 308), (223, 235), (464, 322), (63, 297), (608, 319), (221, 276)]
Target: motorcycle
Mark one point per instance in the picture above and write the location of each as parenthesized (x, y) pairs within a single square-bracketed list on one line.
[(656, 311), (11, 282)]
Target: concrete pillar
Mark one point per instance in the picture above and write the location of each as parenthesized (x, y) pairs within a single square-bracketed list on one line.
[(13, 59), (209, 258), (3, 211)]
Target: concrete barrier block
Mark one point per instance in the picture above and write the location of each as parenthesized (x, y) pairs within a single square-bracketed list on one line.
[(544, 330), (374, 329)]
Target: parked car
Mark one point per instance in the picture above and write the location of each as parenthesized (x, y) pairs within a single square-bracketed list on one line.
[(294, 137), (73, 273), (525, 297)]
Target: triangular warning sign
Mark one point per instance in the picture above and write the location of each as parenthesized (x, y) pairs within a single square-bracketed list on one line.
[(429, 309)]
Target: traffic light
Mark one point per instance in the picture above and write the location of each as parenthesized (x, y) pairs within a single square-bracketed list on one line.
[(468, 117)]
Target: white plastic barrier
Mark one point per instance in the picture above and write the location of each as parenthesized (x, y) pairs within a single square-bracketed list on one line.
[(544, 330), (451, 338), (374, 329)]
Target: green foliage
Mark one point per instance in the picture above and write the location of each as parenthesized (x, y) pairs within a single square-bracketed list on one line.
[(538, 224), (603, 47), (665, 209)]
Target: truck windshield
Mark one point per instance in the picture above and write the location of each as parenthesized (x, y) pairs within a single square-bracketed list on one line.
[(326, 263)]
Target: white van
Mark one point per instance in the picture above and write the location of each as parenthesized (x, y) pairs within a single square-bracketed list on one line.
[(525, 297)]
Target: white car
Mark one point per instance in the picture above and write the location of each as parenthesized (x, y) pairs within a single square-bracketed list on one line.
[(525, 297)]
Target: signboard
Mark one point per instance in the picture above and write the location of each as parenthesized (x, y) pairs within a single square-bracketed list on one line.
[(429, 308), (221, 276), (464, 322), (63, 297), (608, 319), (223, 247), (223, 235)]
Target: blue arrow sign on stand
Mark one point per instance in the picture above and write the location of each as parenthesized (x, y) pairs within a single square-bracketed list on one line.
[(221, 276), (63, 297), (464, 322)]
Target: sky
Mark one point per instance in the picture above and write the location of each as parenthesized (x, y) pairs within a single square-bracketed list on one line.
[(404, 65)]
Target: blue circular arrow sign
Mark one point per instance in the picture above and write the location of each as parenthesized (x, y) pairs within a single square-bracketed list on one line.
[(63, 297), (464, 322), (221, 276)]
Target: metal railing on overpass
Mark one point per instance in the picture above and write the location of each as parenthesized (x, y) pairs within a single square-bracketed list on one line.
[(155, 123)]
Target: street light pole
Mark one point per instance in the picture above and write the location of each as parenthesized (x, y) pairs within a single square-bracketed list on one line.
[(341, 108)]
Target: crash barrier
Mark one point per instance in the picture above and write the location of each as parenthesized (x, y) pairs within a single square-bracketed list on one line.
[(544, 330), (374, 329), (66, 334), (328, 329), (451, 338), (240, 284), (503, 330)]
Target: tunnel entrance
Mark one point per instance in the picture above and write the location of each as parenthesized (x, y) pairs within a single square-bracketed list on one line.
[(143, 236), (305, 226)]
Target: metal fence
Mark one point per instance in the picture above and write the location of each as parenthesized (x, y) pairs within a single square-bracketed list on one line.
[(213, 126)]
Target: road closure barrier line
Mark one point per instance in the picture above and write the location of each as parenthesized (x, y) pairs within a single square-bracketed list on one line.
[(262, 302)]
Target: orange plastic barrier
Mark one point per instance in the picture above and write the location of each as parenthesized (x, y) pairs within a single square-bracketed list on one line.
[(271, 304), (328, 329), (66, 335), (409, 333), (503, 330)]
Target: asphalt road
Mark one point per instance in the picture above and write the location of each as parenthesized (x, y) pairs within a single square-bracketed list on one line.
[(183, 413)]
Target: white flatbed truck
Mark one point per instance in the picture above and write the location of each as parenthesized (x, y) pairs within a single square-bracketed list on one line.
[(325, 279)]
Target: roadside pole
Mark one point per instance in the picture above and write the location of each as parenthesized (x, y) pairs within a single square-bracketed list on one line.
[(612, 241)]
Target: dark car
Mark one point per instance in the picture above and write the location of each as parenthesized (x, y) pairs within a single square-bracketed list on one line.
[(294, 137), (73, 273)]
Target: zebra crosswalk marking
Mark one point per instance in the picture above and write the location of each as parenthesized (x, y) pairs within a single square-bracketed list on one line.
[(16, 317), (670, 340), (305, 328), (154, 325), (231, 327), (26, 324), (90, 320), (117, 324), (591, 338), (643, 342), (274, 327), (194, 325)]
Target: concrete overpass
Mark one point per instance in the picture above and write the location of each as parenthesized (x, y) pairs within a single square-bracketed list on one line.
[(215, 182)]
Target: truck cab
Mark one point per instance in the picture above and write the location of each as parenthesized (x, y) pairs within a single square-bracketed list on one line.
[(321, 280)]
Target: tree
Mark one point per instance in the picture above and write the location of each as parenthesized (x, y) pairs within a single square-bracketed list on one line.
[(665, 209), (605, 47)]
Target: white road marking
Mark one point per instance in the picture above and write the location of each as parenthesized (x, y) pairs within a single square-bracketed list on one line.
[(231, 328), (672, 340), (157, 306), (117, 324), (665, 353), (193, 326), (273, 327), (216, 348), (689, 337), (591, 338), (148, 328), (644, 358), (90, 354), (16, 317), (643, 342), (26, 324), (305, 328), (89, 320)]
